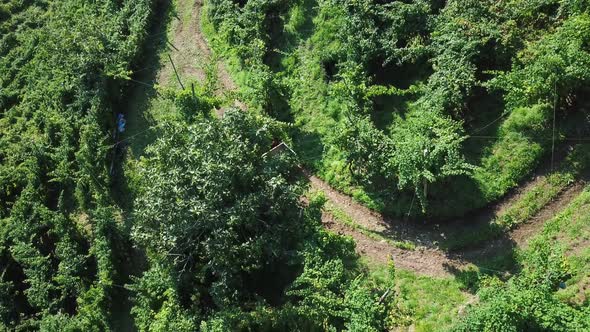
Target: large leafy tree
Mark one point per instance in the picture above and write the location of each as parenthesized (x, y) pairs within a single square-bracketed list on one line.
[(214, 207), (228, 239)]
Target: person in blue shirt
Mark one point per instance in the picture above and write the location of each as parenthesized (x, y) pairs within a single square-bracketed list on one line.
[(121, 122)]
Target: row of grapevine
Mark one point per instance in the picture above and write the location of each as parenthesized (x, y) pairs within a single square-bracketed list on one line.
[(63, 66)]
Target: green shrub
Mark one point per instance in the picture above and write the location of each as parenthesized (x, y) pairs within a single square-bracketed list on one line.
[(527, 301)]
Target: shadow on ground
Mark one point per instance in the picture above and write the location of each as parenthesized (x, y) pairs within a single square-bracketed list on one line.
[(133, 103)]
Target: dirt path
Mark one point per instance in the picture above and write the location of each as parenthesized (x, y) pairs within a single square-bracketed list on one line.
[(423, 260), (373, 221), (525, 232), (191, 54), (189, 50), (428, 258)]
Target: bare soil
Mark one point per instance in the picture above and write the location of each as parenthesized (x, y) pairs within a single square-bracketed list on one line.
[(423, 260), (428, 258), (190, 51)]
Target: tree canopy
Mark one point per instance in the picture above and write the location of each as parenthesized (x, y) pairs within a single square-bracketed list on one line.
[(229, 242)]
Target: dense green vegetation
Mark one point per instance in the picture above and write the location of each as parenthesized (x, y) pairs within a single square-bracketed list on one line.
[(549, 293), (527, 302), (62, 66), (428, 108), (447, 104), (192, 222), (229, 244), (264, 261)]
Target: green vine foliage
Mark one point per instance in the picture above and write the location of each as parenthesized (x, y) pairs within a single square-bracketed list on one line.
[(453, 62), (381, 97), (527, 301), (62, 67)]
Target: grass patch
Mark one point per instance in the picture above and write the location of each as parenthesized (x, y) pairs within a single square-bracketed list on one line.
[(472, 237), (528, 204), (429, 304), (535, 199), (571, 230)]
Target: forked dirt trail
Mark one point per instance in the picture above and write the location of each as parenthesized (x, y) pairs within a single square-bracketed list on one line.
[(190, 53), (428, 258)]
